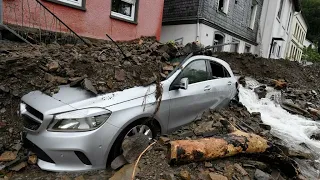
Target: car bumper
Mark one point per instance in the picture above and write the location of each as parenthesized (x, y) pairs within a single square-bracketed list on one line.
[(73, 151)]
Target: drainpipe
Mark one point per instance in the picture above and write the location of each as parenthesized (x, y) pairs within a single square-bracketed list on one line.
[(1, 13), (198, 23), (1, 17)]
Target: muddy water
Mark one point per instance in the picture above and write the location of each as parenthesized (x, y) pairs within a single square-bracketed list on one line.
[(294, 130)]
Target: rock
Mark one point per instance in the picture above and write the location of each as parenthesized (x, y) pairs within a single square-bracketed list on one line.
[(87, 85), (315, 136), (242, 81), (265, 126), (186, 134), (32, 159), (185, 175), (203, 127), (256, 164), (120, 75), (216, 176), (65, 177), (164, 140), (79, 178), (169, 176), (261, 91), (125, 173), (4, 89), (208, 165), (133, 146), (260, 175), (53, 66), (118, 162), (128, 54), (168, 68), (299, 154), (19, 166), (8, 156), (17, 147), (240, 169), (165, 56), (214, 132), (3, 110)]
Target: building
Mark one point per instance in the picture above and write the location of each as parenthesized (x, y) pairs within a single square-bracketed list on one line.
[(213, 22), (275, 27), (121, 19), (297, 37)]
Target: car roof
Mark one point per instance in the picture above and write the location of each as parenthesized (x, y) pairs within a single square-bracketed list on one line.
[(214, 59)]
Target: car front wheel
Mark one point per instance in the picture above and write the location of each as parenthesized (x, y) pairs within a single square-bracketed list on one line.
[(139, 127)]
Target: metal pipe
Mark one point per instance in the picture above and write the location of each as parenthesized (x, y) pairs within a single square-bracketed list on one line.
[(1, 12)]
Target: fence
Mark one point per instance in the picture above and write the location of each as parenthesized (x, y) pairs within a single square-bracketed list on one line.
[(36, 23)]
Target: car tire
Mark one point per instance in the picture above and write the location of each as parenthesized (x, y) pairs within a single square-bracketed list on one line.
[(116, 149)]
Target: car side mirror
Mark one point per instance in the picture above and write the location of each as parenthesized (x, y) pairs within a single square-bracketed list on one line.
[(184, 83)]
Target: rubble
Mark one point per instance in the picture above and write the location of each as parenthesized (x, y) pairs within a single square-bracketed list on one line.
[(8, 156)]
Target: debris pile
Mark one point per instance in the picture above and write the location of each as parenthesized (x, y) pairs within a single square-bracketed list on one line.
[(273, 162)]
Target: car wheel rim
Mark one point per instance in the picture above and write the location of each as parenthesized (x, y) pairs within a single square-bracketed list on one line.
[(140, 129)]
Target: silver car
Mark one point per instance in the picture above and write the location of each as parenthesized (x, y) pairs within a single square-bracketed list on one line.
[(75, 131)]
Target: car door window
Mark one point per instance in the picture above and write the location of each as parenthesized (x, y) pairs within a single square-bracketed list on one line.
[(196, 72), (218, 71)]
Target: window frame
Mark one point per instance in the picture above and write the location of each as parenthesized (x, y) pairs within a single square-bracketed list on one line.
[(279, 14), (134, 15), (226, 73), (177, 78), (247, 46), (225, 7), (81, 5), (253, 15)]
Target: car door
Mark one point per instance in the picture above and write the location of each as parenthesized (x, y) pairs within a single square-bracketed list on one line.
[(221, 84), (186, 105)]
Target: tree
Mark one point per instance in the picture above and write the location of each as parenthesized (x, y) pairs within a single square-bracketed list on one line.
[(311, 11), (310, 54)]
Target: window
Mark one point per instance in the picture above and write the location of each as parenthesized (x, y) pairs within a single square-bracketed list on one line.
[(280, 9), (289, 21), (235, 46), (253, 15), (274, 46), (79, 4), (218, 39), (196, 72), (223, 6), (124, 9), (279, 51), (218, 71), (247, 49)]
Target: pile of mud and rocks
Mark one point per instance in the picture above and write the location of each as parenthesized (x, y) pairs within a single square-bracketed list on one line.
[(102, 68)]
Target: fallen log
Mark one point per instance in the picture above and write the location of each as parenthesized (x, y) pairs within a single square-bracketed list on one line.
[(236, 142), (218, 147)]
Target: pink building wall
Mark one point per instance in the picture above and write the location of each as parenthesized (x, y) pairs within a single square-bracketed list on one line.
[(95, 22)]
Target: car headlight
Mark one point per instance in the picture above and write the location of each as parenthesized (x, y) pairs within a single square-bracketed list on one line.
[(80, 120)]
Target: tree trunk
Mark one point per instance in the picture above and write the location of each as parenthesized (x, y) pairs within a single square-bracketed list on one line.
[(218, 147)]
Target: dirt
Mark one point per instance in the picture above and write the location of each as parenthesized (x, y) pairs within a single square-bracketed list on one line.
[(24, 68)]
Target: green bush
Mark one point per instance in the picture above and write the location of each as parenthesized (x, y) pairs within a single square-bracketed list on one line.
[(310, 54)]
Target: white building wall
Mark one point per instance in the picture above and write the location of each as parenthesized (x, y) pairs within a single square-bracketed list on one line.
[(307, 43), (188, 33), (206, 36), (273, 27)]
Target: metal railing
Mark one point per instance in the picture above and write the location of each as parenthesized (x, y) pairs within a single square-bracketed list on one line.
[(33, 21)]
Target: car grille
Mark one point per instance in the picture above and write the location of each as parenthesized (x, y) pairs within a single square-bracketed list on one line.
[(34, 112), (29, 123)]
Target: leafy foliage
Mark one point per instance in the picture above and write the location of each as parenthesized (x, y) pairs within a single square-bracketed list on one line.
[(311, 11), (310, 54)]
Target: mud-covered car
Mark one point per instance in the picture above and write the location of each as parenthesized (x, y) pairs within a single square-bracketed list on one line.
[(74, 130)]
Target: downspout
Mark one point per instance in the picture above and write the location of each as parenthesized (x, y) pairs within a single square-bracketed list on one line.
[(198, 23), (1, 12)]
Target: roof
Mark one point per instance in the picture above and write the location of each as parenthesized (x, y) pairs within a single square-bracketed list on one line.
[(297, 5)]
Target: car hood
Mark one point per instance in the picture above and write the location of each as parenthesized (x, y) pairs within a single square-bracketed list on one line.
[(71, 98)]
